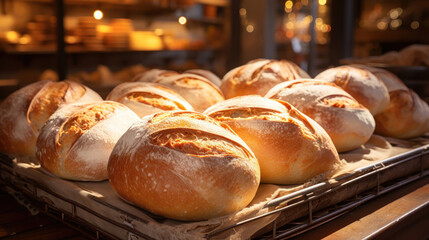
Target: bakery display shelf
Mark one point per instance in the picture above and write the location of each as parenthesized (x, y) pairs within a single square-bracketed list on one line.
[(325, 201), (293, 213)]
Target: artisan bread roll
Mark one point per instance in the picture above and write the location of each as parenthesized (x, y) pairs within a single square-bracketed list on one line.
[(290, 147), (146, 98), (366, 88), (197, 90), (407, 115), (184, 165), (207, 74), (25, 112), (348, 123), (77, 140), (153, 75), (259, 76)]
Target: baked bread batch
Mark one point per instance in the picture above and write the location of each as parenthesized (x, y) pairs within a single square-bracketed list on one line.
[(24, 112), (348, 123), (171, 144)]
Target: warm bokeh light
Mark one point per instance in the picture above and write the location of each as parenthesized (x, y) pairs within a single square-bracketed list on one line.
[(382, 25), (182, 20), (98, 14), (395, 23), (250, 28), (288, 6), (322, 2), (103, 28), (414, 25), (158, 32), (12, 37), (25, 39), (243, 11)]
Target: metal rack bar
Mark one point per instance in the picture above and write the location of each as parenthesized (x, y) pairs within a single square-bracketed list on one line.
[(357, 175), (308, 198)]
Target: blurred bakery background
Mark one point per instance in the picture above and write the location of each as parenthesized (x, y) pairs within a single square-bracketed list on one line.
[(105, 42)]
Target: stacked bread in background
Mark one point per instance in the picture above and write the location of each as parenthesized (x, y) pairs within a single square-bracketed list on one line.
[(170, 143)]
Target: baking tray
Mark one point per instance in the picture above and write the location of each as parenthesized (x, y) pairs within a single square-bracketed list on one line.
[(293, 213)]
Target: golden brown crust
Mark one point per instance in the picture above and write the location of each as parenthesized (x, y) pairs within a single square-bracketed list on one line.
[(360, 83), (197, 90), (31, 106), (154, 100), (184, 166), (348, 123), (290, 147), (148, 98), (258, 76), (17, 137), (406, 116), (49, 98)]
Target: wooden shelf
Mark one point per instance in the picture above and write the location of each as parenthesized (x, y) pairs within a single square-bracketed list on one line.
[(81, 50), (400, 35)]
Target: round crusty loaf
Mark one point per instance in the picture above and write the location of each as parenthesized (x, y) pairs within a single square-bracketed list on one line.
[(200, 92), (207, 74), (77, 140), (407, 115), (184, 165), (366, 88), (146, 98), (259, 76), (290, 147), (25, 112), (348, 123)]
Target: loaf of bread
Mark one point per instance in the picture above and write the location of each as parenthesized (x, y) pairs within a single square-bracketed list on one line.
[(366, 88), (77, 140), (207, 74), (290, 147), (200, 92), (146, 98), (407, 115), (25, 112), (259, 76), (184, 165), (348, 123)]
